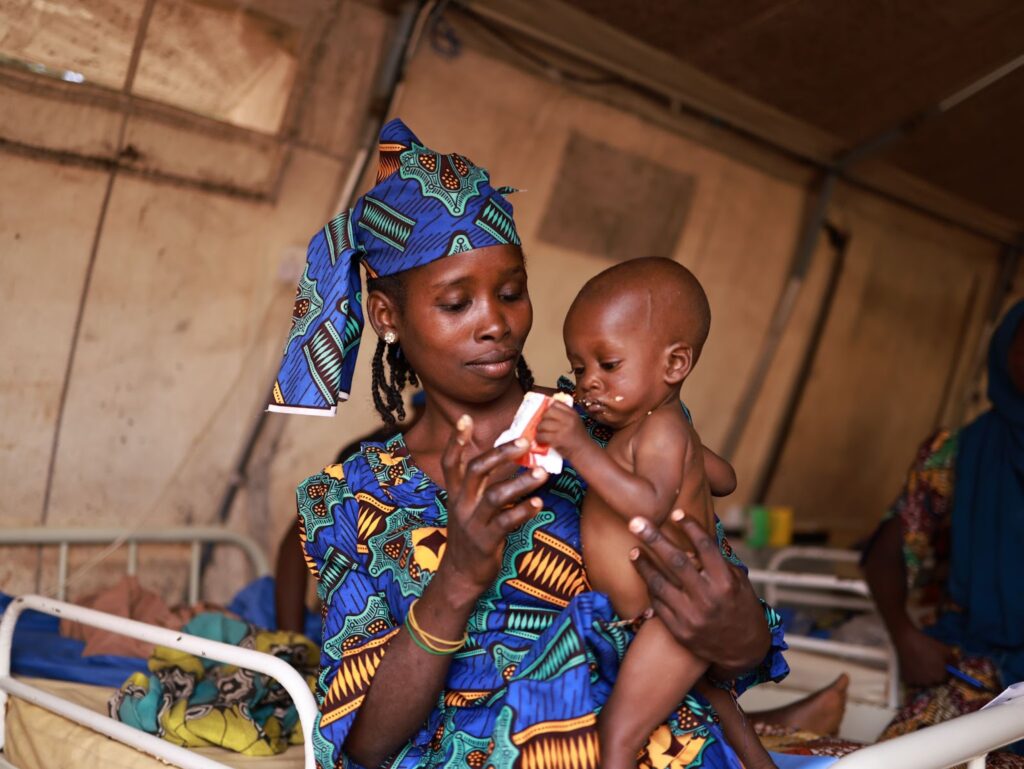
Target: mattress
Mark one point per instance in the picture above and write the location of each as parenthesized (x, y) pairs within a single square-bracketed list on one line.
[(39, 739)]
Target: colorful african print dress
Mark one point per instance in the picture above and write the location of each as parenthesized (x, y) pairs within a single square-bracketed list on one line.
[(542, 655)]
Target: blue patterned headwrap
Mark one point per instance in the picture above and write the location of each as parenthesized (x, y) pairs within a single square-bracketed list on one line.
[(425, 206)]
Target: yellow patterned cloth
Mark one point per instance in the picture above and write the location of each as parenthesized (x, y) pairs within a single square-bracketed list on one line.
[(197, 702)]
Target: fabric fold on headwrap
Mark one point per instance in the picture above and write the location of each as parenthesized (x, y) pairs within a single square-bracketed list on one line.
[(424, 206)]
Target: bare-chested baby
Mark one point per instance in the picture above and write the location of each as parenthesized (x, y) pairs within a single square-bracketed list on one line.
[(633, 335)]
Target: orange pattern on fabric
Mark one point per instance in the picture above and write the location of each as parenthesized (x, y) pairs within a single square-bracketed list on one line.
[(569, 744), (346, 692), (551, 571)]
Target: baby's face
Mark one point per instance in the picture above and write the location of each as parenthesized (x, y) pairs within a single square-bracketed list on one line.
[(615, 361)]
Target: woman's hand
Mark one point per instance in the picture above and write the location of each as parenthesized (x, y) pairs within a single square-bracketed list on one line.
[(485, 502), (714, 612), (923, 659), (487, 499)]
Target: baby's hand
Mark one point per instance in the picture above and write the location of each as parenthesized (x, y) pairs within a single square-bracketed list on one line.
[(562, 429)]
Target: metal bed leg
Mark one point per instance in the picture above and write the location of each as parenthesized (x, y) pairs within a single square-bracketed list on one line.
[(62, 572), (194, 574)]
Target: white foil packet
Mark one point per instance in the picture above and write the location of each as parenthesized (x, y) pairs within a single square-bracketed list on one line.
[(524, 425)]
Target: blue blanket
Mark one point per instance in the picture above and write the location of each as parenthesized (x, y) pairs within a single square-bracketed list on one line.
[(41, 651)]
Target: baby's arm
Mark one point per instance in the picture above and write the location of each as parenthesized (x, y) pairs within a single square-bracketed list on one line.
[(721, 475), (659, 454)]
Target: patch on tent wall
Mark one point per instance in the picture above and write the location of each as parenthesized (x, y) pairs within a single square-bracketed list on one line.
[(615, 203)]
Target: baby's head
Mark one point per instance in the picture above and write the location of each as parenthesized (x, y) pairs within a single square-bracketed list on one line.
[(633, 334)]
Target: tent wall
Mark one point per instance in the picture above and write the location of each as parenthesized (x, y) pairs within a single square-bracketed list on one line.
[(906, 316), (185, 277), (188, 294)]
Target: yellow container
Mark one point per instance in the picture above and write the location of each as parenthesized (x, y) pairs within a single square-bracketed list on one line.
[(781, 526)]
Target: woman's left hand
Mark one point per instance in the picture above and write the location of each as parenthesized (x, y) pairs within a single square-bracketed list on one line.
[(714, 612)]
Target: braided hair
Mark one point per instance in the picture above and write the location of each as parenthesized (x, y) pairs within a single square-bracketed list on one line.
[(389, 381)]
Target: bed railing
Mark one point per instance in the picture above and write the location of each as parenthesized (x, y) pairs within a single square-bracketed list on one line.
[(968, 738), (195, 536), (860, 598), (285, 674), (809, 589)]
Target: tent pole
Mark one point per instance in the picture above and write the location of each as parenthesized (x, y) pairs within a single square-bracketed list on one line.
[(766, 473), (83, 298), (883, 139)]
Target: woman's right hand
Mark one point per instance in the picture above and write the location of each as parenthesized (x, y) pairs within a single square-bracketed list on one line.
[(487, 499), (923, 659)]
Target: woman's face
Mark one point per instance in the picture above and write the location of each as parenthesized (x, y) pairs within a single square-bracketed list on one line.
[(462, 322)]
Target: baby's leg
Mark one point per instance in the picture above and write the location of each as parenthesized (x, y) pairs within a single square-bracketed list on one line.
[(738, 730), (655, 676)]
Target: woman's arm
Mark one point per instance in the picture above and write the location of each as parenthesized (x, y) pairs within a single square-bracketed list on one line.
[(714, 612), (922, 659), (486, 502), (406, 686), (290, 575), (883, 568), (918, 520)]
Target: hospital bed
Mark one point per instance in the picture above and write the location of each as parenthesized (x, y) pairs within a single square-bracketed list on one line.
[(59, 724), (54, 723), (962, 740)]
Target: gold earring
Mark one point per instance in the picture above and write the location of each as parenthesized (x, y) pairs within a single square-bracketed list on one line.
[(390, 337)]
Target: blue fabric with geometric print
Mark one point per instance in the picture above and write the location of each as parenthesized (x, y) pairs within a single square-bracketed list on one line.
[(425, 205), (543, 651)]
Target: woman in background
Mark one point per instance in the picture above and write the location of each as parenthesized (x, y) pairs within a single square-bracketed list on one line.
[(957, 533)]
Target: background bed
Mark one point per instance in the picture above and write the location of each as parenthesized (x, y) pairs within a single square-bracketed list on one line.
[(39, 739)]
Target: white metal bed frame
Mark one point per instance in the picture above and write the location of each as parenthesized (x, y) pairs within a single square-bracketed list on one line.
[(967, 739), (828, 590), (195, 537), (250, 659)]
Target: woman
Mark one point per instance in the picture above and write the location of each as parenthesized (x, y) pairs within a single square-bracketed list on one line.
[(457, 626), (957, 532)]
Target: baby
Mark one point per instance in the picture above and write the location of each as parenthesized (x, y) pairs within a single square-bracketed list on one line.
[(632, 336)]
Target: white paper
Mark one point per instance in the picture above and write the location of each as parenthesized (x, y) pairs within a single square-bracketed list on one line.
[(1011, 693), (550, 460)]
